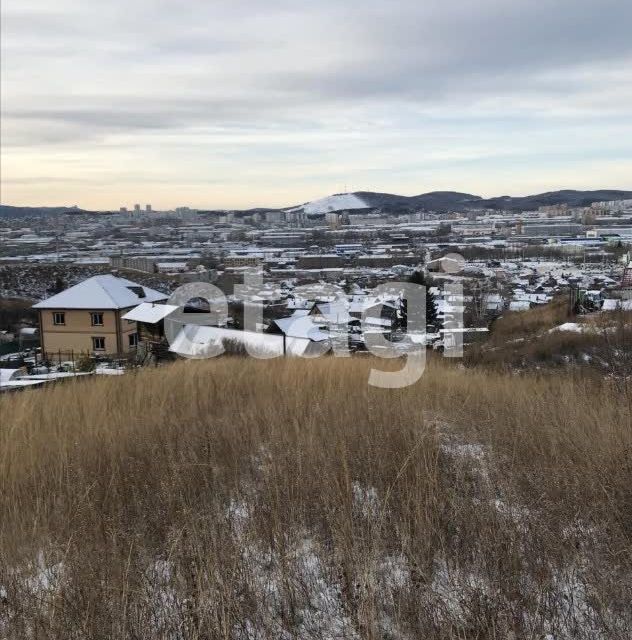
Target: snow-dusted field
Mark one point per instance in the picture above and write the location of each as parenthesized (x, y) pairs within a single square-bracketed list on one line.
[(249, 500), (299, 588)]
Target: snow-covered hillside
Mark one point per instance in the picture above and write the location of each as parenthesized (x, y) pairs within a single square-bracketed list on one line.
[(334, 203)]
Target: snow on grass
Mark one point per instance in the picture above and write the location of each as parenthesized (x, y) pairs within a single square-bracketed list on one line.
[(301, 576), (300, 593), (365, 500), (468, 455), (568, 326)]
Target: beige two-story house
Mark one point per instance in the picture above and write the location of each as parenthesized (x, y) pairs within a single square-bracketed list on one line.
[(87, 318)]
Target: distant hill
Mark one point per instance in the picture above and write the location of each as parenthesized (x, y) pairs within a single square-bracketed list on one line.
[(7, 211), (435, 200), (390, 203), (569, 197), (442, 201)]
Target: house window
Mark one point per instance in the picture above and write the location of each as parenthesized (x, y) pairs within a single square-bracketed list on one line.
[(133, 339), (59, 317), (98, 344), (97, 319)]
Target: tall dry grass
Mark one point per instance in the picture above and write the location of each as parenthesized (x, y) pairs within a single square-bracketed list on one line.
[(517, 324), (237, 498), (531, 339)]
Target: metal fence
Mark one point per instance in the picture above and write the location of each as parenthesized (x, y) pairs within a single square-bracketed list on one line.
[(78, 360)]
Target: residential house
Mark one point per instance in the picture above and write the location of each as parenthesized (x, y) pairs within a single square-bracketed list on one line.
[(88, 318), (150, 320)]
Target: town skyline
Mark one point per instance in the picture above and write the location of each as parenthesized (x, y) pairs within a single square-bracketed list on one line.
[(146, 205)]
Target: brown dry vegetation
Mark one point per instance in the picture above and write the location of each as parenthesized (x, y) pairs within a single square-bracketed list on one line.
[(517, 324), (529, 339), (237, 498)]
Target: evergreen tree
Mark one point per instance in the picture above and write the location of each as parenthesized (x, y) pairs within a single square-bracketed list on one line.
[(419, 278), (58, 286)]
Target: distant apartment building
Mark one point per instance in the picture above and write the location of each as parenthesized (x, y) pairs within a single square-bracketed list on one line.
[(554, 209), (295, 218), (612, 205), (284, 239), (337, 218), (236, 261), (474, 229), (147, 265), (185, 211), (330, 275), (320, 261), (273, 217), (87, 318), (552, 229), (172, 267), (349, 249), (385, 261)]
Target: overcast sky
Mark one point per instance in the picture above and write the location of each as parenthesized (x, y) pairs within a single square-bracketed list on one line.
[(234, 103)]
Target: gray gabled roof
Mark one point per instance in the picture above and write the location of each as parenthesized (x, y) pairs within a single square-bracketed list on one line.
[(102, 292)]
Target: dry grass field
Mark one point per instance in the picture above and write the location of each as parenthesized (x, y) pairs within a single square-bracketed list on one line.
[(531, 339), (246, 499)]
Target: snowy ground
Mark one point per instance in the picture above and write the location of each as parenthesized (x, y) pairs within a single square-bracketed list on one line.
[(299, 589)]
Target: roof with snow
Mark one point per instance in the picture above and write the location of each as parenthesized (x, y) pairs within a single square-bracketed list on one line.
[(301, 327), (149, 312), (195, 341), (334, 312), (102, 292), (612, 304), (8, 374)]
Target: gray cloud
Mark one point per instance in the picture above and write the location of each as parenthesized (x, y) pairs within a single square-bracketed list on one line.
[(297, 75)]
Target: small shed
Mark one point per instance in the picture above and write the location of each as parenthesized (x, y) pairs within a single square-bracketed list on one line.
[(150, 318)]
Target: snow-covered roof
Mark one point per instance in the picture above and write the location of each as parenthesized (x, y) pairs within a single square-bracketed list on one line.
[(197, 341), (359, 304), (377, 322), (334, 312), (149, 312), (102, 292), (19, 384), (57, 375), (8, 374), (519, 305), (612, 304), (301, 327)]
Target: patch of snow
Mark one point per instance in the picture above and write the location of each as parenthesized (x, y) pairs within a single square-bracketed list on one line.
[(365, 500), (569, 326), (337, 202)]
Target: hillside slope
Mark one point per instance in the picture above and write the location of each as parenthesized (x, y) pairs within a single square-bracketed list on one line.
[(242, 499), (442, 201)]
